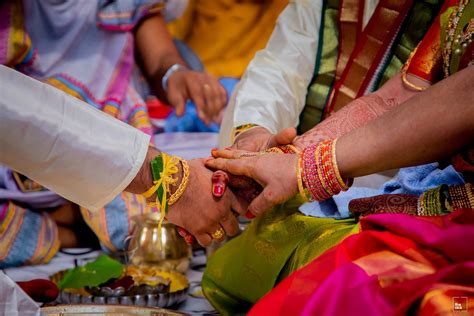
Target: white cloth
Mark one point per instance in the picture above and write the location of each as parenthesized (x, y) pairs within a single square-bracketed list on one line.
[(64, 144), (273, 90), (186, 145), (13, 301)]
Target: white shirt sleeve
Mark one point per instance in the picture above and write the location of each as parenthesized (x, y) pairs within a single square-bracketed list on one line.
[(65, 144), (273, 89)]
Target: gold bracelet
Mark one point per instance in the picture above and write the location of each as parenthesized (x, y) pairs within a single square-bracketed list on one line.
[(182, 186), (409, 84), (241, 129), (343, 184), (299, 178)]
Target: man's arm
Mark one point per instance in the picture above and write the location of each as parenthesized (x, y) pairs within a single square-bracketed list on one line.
[(62, 143), (89, 157), (272, 91)]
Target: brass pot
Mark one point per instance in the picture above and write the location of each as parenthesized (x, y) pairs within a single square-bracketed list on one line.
[(164, 249)]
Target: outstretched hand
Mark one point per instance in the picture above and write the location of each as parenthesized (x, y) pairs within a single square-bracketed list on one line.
[(200, 213)]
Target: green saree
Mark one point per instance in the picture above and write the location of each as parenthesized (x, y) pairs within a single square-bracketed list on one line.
[(272, 246)]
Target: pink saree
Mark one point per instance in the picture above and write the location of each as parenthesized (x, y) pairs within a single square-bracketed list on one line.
[(397, 265)]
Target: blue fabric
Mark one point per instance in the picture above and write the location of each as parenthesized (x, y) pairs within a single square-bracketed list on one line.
[(25, 242), (412, 180), (117, 222), (416, 180), (190, 122), (337, 206), (123, 13)]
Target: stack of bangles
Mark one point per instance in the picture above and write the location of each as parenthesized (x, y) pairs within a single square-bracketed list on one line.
[(163, 169), (317, 172)]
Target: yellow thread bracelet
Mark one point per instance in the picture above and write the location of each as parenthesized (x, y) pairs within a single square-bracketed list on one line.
[(169, 168)]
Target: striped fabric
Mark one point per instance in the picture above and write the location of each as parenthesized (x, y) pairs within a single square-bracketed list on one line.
[(26, 237), (15, 44), (89, 55)]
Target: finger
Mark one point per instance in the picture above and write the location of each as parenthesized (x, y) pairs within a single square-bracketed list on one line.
[(230, 225), (188, 238), (239, 167), (219, 117), (211, 99), (233, 153), (219, 94), (262, 203), (181, 231), (197, 95), (223, 94), (218, 233), (249, 215), (284, 137), (177, 100), (239, 205), (219, 183), (223, 153), (203, 239), (180, 106)]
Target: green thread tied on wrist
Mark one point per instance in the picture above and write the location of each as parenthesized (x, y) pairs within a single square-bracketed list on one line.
[(156, 169)]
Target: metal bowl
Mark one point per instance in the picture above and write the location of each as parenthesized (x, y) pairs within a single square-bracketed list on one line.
[(154, 298), (93, 309)]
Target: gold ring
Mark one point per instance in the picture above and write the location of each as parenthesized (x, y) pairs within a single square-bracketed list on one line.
[(218, 234)]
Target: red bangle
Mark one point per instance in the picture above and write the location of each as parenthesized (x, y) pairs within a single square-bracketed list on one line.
[(320, 171)]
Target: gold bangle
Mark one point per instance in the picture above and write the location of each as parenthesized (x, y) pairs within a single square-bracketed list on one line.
[(241, 129), (343, 184), (299, 178), (182, 186), (409, 84)]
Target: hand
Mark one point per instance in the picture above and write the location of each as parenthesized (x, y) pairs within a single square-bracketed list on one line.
[(276, 173), (199, 212), (203, 89), (259, 138), (219, 185), (254, 140), (243, 187)]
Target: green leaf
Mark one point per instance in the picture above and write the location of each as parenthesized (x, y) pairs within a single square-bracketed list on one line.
[(92, 274)]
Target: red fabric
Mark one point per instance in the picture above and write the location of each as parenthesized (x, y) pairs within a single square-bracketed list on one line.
[(386, 269)]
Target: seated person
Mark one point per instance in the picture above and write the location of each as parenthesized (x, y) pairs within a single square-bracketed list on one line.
[(285, 253), (226, 34), (398, 259), (220, 36), (91, 56)]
